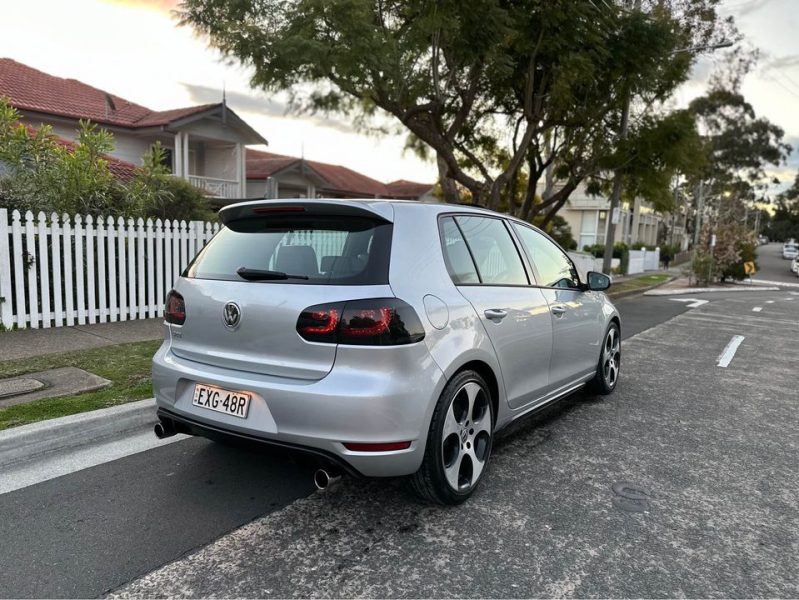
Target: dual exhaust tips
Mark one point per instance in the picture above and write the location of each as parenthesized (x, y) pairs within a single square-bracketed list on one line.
[(322, 478)]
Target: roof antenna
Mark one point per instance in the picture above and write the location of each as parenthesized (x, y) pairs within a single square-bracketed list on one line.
[(224, 103)]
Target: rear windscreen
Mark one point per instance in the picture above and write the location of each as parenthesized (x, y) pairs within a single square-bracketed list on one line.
[(341, 250)]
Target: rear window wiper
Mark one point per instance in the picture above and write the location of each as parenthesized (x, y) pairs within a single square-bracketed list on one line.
[(260, 275)]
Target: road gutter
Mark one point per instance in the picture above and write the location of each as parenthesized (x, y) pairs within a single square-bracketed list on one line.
[(63, 434)]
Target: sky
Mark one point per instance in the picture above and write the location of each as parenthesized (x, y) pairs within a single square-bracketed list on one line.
[(136, 50)]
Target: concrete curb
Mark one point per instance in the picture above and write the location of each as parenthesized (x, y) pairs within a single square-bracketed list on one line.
[(688, 291), (20, 444), (635, 292)]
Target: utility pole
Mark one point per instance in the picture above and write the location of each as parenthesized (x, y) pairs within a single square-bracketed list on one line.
[(700, 205), (615, 196)]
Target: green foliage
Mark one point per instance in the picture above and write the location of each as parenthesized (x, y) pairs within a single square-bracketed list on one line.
[(559, 230), (620, 250), (40, 173), (157, 194), (492, 88)]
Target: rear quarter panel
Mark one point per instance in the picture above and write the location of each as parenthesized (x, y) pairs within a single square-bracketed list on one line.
[(418, 270)]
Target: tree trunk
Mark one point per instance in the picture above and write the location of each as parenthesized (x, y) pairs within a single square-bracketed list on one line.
[(448, 186)]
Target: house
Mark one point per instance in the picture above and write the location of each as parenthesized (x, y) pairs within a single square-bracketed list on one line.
[(587, 217), (205, 144), (279, 176)]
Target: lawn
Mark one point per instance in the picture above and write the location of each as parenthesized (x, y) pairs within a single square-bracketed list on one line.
[(638, 283), (127, 366)]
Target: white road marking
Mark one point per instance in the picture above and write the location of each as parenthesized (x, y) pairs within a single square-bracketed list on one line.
[(55, 464), (725, 358), (757, 309), (694, 302), (769, 301)]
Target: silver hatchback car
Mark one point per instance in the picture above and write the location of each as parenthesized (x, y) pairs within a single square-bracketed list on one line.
[(388, 338)]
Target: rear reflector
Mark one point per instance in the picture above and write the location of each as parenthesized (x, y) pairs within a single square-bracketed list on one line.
[(385, 447)]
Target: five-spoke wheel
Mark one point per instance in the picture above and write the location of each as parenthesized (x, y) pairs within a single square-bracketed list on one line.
[(459, 441), (607, 375)]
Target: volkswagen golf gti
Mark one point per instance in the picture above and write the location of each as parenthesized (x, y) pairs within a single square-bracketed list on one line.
[(387, 338)]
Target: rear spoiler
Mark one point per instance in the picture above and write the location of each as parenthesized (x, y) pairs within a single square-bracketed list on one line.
[(373, 209)]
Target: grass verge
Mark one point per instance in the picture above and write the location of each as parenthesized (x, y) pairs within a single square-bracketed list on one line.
[(127, 366), (638, 283)]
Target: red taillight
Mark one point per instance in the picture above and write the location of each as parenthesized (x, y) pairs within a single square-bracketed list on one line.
[(319, 323), (175, 310), (384, 447), (369, 322), (378, 322)]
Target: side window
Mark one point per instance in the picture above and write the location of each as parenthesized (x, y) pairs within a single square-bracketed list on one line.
[(497, 260), (456, 254), (554, 268)]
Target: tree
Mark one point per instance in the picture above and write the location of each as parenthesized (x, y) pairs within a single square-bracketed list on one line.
[(740, 144), (492, 87)]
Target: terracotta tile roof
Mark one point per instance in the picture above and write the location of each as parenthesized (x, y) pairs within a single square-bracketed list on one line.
[(402, 188), (340, 180), (33, 90)]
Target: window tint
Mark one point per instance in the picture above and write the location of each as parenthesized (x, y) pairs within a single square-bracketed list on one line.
[(494, 252), (554, 268), (325, 249), (459, 262)]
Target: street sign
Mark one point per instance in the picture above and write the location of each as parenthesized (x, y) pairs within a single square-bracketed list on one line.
[(614, 217), (713, 241), (749, 268)]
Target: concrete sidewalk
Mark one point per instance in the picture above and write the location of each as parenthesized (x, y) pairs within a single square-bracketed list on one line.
[(26, 343)]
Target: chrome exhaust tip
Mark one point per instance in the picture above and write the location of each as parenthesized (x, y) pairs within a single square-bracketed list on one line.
[(164, 429), (323, 479)]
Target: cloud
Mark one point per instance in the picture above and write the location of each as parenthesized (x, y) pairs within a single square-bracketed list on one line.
[(747, 7), (261, 105)]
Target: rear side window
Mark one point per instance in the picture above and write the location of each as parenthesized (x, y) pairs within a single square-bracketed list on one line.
[(334, 250), (459, 262), (495, 255)]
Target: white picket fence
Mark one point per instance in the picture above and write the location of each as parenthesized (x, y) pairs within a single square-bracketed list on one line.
[(60, 271)]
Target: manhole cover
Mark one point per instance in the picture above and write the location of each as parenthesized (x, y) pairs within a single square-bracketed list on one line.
[(625, 489), (630, 497), (15, 387)]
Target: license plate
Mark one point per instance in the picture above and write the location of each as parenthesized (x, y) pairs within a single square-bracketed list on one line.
[(221, 400)]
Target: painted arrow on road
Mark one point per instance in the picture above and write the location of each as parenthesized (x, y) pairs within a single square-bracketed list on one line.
[(694, 302)]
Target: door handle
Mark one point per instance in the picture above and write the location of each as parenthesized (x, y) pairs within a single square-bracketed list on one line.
[(558, 310), (495, 314)]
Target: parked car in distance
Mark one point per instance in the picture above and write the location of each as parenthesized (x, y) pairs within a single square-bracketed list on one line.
[(387, 338), (790, 251)]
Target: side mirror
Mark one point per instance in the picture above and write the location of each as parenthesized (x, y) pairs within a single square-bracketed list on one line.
[(598, 282)]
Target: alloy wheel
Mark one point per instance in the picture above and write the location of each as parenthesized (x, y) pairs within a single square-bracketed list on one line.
[(466, 437), (611, 357)]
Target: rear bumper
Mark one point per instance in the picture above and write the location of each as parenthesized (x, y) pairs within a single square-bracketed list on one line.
[(189, 426), (372, 395)]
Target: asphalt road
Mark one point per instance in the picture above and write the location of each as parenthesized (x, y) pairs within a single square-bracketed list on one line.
[(685, 482), (97, 529), (772, 266)]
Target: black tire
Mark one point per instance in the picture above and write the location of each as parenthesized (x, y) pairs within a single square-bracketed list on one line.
[(449, 455), (607, 375)]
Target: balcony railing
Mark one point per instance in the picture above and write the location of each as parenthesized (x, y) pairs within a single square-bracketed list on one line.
[(215, 187)]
